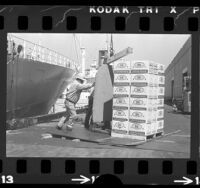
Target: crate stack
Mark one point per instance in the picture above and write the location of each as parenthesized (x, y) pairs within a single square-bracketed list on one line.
[(143, 99), (121, 97), (143, 102), (160, 102)]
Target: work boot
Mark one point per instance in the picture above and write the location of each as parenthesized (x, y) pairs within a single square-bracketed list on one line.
[(60, 123), (69, 126), (59, 128)]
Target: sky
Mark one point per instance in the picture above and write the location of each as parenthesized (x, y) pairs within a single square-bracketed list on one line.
[(161, 48)]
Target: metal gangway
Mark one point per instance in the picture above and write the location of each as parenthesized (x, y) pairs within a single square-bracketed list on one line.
[(36, 52)]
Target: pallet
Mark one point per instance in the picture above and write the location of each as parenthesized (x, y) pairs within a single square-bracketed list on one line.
[(153, 136)]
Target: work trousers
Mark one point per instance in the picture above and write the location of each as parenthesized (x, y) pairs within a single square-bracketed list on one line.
[(70, 111)]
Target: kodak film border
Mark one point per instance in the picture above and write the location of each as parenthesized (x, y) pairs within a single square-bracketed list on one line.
[(80, 20)]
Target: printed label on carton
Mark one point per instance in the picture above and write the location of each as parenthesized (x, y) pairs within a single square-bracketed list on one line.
[(161, 68), (160, 96), (160, 90), (155, 69), (120, 126), (120, 113), (135, 127), (160, 102), (121, 65), (120, 100), (121, 77), (143, 67), (160, 113), (142, 78), (143, 91), (161, 79), (139, 65), (160, 124), (139, 102), (121, 90), (140, 115)]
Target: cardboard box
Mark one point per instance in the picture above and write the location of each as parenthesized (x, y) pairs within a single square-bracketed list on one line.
[(155, 80), (144, 91), (121, 112), (120, 126), (154, 92), (139, 115), (160, 131), (136, 128), (160, 113), (153, 127), (160, 90), (121, 89), (143, 67), (118, 134), (121, 78), (121, 100), (161, 69), (160, 123), (160, 102), (161, 79), (121, 64), (139, 102), (142, 78)]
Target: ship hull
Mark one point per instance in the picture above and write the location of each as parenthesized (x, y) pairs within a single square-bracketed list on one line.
[(33, 87)]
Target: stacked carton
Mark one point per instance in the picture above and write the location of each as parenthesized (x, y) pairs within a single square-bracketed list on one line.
[(144, 85), (160, 103), (121, 97), (138, 102)]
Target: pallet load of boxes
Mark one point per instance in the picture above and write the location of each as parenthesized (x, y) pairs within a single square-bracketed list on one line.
[(138, 99)]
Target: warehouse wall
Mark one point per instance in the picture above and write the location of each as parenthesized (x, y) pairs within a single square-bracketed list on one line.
[(174, 71)]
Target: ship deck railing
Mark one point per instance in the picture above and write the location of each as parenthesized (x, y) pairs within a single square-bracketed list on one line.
[(39, 53)]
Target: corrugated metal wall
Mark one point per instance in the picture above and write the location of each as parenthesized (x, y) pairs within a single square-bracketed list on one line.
[(181, 62)]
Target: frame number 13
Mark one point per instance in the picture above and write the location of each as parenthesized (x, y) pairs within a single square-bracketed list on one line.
[(7, 179)]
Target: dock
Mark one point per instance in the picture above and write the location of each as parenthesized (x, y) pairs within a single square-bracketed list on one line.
[(38, 141)]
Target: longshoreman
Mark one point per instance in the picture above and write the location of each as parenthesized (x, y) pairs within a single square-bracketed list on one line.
[(72, 97)]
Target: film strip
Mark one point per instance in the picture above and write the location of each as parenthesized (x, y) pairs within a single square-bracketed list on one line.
[(172, 161)]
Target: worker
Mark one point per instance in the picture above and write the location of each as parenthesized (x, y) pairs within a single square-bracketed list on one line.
[(174, 106), (72, 98)]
